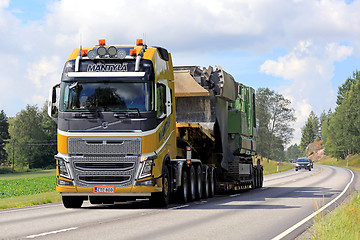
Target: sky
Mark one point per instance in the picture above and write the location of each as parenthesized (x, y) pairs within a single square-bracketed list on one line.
[(302, 49)]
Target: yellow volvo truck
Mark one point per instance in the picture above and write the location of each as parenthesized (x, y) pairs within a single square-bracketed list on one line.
[(119, 136)]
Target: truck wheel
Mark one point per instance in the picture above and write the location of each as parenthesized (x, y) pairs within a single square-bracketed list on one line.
[(95, 200), (199, 186), (184, 191), (192, 184), (72, 202), (162, 199), (254, 183), (261, 178), (108, 200), (211, 183), (205, 182)]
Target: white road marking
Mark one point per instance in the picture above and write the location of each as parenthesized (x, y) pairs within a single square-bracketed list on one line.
[(235, 195), (52, 232), (178, 207), (283, 234)]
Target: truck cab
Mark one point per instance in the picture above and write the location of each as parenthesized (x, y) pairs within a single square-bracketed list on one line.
[(115, 114)]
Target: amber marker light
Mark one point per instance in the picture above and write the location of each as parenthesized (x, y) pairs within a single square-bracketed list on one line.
[(102, 42), (133, 52), (84, 52), (139, 42)]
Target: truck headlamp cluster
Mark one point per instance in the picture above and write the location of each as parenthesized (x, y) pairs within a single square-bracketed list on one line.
[(146, 169), (111, 52), (121, 54), (101, 51), (147, 164), (63, 169), (92, 54)]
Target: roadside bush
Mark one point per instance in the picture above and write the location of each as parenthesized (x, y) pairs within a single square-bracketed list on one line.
[(4, 170)]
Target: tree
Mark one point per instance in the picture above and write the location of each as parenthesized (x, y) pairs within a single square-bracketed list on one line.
[(310, 131), (4, 135), (275, 118), (345, 87), (293, 152), (343, 126), (325, 124), (33, 137)]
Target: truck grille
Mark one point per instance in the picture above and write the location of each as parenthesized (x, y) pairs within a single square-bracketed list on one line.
[(105, 161), (104, 146)]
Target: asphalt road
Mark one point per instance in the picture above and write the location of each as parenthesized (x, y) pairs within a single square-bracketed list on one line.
[(283, 208)]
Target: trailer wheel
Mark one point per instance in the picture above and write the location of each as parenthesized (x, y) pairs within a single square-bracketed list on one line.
[(211, 183), (72, 202), (192, 184), (184, 191), (205, 182), (162, 199), (261, 178), (254, 183), (199, 186)]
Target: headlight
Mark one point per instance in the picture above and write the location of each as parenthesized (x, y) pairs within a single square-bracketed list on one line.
[(297, 165), (146, 168), (147, 161), (63, 169), (308, 164)]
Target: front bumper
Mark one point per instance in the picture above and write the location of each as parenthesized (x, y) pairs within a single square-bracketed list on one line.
[(135, 191)]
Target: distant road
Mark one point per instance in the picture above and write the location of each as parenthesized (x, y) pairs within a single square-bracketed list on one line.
[(275, 211)]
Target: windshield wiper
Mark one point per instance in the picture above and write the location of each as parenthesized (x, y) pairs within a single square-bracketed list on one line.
[(91, 114), (126, 114)]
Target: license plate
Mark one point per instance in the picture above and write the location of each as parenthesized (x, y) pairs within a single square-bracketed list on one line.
[(103, 189)]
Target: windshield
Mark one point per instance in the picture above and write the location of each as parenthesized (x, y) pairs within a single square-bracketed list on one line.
[(108, 96), (303, 160)]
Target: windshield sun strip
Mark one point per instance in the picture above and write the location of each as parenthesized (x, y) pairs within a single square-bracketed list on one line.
[(106, 74)]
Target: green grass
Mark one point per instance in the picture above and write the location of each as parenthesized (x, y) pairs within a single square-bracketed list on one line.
[(271, 166), (34, 174), (343, 222), (28, 188), (29, 200)]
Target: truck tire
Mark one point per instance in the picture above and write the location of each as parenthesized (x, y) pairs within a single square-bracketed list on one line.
[(184, 190), (211, 183), (192, 184), (72, 202), (95, 200), (199, 185), (261, 178), (205, 182), (162, 199), (254, 183)]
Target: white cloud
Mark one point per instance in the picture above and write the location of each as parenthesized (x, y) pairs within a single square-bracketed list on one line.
[(313, 34), (309, 69), (40, 72)]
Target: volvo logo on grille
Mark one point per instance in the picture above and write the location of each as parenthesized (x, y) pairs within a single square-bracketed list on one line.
[(105, 125)]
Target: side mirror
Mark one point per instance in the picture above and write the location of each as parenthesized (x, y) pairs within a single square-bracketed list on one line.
[(53, 103)]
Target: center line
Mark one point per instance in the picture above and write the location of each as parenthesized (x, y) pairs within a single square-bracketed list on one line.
[(53, 232)]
